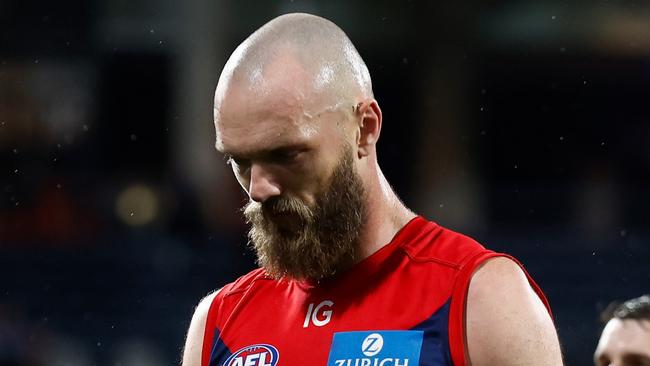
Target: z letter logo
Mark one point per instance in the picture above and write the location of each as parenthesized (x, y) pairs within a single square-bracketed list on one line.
[(372, 344)]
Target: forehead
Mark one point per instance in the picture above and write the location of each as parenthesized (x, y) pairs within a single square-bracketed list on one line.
[(265, 134), (262, 106), (625, 336), (247, 121), (271, 104)]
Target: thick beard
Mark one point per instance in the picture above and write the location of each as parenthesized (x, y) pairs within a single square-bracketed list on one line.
[(319, 241)]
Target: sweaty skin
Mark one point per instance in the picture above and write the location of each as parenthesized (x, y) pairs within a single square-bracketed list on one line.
[(290, 97), (323, 64)]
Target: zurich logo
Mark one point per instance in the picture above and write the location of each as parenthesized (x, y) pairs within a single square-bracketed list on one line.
[(254, 355), (372, 344), (376, 348)]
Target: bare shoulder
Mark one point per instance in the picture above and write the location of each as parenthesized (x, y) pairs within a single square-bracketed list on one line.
[(194, 340), (506, 322)]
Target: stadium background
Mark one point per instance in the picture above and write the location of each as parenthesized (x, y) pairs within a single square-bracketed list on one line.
[(524, 124)]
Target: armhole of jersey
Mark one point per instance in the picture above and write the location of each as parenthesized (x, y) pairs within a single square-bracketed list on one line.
[(457, 341), (208, 333)]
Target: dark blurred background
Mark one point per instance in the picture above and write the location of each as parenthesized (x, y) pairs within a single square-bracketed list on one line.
[(524, 124)]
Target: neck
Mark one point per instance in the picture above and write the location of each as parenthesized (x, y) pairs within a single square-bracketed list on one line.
[(386, 215)]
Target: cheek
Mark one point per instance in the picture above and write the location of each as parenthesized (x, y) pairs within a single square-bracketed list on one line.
[(309, 178), (302, 181)]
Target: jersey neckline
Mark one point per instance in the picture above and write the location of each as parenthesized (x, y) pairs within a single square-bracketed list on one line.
[(372, 263)]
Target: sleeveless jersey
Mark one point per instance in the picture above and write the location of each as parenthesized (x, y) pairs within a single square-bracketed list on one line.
[(401, 306)]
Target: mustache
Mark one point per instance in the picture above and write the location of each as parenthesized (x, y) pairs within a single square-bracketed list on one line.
[(254, 211)]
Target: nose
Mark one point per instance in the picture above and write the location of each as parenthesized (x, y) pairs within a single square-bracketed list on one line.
[(262, 184)]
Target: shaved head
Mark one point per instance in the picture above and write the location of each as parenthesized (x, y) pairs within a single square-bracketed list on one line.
[(306, 57), (296, 119)]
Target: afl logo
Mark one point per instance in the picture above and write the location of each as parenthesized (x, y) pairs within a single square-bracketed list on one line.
[(254, 355)]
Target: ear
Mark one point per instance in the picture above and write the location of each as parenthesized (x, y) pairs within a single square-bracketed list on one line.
[(369, 115)]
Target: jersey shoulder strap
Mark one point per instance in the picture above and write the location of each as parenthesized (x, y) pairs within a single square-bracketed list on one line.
[(222, 305), (438, 244), (456, 326)]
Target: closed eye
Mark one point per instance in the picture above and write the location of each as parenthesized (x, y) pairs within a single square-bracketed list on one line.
[(287, 155), (281, 155)]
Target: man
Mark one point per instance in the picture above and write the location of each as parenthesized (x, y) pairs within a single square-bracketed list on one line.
[(349, 275), (625, 341)]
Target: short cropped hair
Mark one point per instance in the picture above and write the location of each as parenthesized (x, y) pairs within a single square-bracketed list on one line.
[(637, 309)]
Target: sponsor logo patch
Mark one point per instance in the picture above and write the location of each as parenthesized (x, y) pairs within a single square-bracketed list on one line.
[(254, 355), (376, 348)]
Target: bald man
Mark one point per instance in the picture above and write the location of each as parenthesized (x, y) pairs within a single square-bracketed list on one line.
[(348, 275)]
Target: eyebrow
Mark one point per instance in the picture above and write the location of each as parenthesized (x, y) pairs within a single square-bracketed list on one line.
[(265, 151)]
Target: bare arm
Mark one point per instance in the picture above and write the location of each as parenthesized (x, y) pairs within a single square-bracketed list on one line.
[(194, 340), (506, 322)]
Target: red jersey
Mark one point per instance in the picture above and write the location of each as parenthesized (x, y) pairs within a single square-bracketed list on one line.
[(402, 306)]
